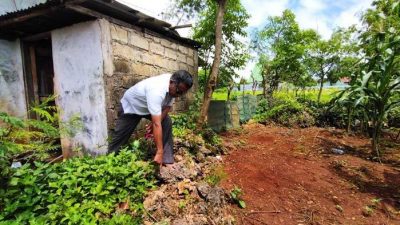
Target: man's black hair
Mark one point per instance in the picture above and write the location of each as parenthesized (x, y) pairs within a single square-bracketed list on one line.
[(182, 76)]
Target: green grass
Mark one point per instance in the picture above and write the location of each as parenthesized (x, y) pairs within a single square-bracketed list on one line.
[(222, 95), (326, 96)]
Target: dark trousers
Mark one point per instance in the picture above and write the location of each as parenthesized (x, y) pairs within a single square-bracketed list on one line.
[(127, 123)]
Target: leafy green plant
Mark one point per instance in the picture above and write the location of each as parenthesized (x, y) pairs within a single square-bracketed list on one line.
[(83, 190), (211, 137), (287, 112), (394, 118), (262, 106), (236, 197), (187, 120), (377, 84), (216, 175), (33, 139)]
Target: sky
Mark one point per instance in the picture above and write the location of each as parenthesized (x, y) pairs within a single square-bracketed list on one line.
[(321, 15)]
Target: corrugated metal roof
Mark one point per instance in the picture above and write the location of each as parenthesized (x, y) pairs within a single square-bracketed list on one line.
[(40, 16), (11, 6)]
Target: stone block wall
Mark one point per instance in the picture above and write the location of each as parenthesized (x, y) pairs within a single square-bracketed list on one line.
[(138, 54)]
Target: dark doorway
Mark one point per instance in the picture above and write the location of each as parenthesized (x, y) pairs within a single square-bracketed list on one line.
[(39, 73)]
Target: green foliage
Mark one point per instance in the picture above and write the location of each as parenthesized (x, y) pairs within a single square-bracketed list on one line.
[(325, 56), (281, 47), (394, 118), (77, 191), (232, 53), (33, 138), (216, 175), (236, 197), (186, 120), (211, 137), (18, 136), (221, 94), (262, 106), (375, 87), (287, 112)]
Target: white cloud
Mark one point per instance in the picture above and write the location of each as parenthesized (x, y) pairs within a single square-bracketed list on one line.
[(309, 20), (260, 10), (352, 14), (313, 5)]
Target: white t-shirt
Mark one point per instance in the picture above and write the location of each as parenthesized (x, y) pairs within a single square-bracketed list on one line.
[(148, 96)]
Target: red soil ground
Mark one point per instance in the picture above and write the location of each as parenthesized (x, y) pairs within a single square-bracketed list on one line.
[(290, 176)]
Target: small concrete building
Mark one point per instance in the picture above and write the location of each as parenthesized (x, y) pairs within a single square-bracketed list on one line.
[(87, 53)]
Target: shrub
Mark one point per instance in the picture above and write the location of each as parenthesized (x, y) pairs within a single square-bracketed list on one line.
[(211, 137), (17, 136), (262, 106), (287, 112), (394, 117), (33, 139), (187, 120), (77, 191)]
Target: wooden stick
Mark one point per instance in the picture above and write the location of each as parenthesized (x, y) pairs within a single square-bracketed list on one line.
[(255, 212)]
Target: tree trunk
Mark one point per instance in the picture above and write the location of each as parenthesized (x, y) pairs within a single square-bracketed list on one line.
[(349, 113), (375, 139), (264, 85), (320, 89), (254, 88), (215, 66), (230, 88)]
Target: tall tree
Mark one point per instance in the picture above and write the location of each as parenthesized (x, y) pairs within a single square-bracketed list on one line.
[(284, 44), (220, 23), (325, 57), (215, 66)]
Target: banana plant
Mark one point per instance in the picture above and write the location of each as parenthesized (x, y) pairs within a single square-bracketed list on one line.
[(379, 89), (378, 84)]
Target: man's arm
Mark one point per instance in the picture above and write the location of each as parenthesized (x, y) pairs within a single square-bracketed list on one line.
[(165, 112), (157, 132)]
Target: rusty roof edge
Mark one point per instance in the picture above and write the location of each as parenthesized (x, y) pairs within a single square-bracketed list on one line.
[(145, 21), (12, 14), (152, 23)]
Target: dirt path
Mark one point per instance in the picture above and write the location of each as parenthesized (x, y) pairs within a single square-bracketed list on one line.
[(290, 176)]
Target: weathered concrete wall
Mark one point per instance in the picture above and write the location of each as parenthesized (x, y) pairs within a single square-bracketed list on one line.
[(12, 97), (79, 84), (138, 54)]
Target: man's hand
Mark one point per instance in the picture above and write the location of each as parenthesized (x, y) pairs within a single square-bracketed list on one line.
[(158, 158)]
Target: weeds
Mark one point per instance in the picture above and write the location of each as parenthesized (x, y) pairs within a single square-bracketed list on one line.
[(235, 195), (216, 175)]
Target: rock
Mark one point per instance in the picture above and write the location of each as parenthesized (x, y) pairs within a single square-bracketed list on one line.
[(200, 157), (201, 208), (213, 195), (185, 185), (335, 200), (205, 150), (154, 199), (179, 171), (191, 220)]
